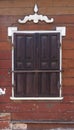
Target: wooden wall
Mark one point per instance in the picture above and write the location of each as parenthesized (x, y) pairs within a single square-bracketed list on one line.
[(55, 113)]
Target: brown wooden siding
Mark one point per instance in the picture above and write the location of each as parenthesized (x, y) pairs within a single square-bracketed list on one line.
[(17, 7), (58, 111)]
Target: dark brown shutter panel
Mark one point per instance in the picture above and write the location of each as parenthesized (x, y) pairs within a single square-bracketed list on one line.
[(54, 84), (20, 86), (44, 84), (55, 51), (29, 51), (19, 49), (44, 51)]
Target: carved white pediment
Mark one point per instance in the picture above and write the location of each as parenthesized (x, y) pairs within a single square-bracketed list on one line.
[(36, 17)]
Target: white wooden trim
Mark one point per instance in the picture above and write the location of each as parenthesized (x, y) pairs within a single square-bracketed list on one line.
[(60, 64), (62, 30), (36, 98), (36, 31)]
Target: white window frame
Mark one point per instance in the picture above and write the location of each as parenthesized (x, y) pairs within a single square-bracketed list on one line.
[(36, 98)]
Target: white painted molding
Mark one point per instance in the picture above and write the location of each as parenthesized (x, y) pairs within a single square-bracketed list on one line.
[(62, 30), (35, 98), (11, 30), (2, 92), (36, 17)]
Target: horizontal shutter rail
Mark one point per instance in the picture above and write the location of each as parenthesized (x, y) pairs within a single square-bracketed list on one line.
[(36, 71)]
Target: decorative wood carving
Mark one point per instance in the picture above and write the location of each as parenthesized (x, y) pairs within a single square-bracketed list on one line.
[(36, 17), (2, 92)]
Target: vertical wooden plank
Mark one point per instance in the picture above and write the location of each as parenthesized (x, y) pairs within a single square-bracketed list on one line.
[(29, 84), (19, 85), (44, 51), (19, 49), (36, 80), (54, 85), (36, 42), (44, 86), (55, 52), (29, 51)]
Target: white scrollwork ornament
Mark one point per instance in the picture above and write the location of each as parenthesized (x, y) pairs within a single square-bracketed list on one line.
[(36, 17)]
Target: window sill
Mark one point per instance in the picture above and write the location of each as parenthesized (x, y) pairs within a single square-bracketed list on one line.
[(38, 98)]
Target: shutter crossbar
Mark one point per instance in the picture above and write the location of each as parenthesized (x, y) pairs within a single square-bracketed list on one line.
[(36, 71)]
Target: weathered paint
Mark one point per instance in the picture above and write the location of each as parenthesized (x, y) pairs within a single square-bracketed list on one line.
[(52, 114)]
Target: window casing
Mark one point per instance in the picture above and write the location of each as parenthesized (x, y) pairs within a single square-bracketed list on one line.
[(36, 65)]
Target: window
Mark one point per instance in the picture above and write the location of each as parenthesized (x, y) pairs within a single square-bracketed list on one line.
[(36, 67)]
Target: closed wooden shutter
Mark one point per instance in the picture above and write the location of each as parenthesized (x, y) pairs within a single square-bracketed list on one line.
[(37, 64)]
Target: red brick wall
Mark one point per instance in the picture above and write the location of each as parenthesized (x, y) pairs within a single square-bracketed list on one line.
[(57, 111)]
